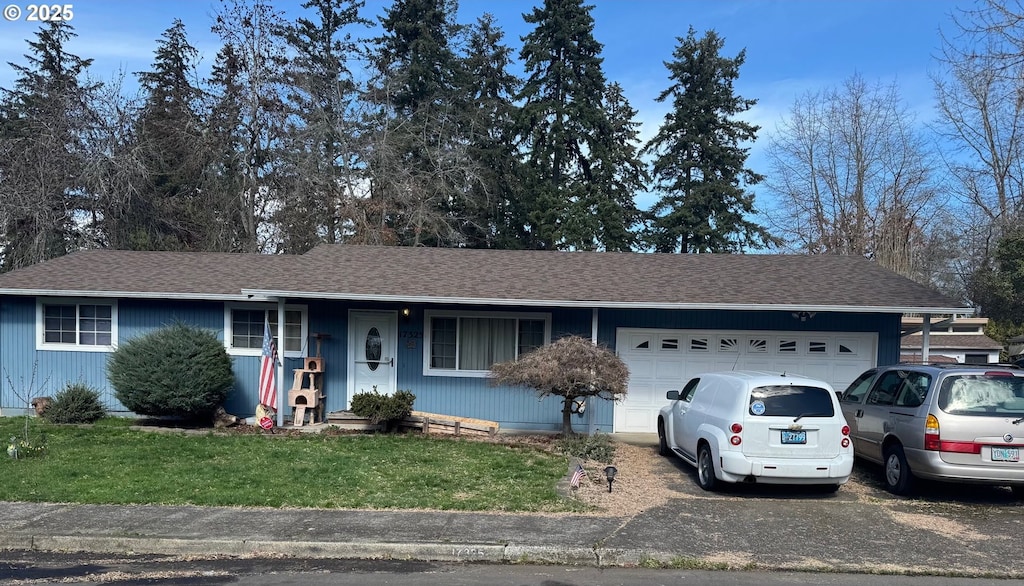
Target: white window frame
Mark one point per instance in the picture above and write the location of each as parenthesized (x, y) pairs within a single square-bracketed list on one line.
[(42, 344), (455, 372), (229, 308)]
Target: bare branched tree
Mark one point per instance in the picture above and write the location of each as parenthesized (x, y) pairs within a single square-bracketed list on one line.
[(853, 176)]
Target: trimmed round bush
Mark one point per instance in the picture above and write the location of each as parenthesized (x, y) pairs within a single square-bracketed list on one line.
[(77, 403), (176, 371)]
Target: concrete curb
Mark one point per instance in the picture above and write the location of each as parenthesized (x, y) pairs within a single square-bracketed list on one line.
[(461, 552)]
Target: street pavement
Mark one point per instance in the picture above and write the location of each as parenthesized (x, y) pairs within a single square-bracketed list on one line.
[(950, 531)]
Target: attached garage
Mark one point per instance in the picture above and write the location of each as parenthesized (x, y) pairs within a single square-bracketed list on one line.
[(660, 360)]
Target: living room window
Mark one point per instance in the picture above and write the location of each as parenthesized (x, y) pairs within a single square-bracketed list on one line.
[(468, 343), (243, 329), (69, 324)]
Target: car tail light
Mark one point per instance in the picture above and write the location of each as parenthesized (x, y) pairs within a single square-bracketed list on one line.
[(931, 433), (846, 442), (846, 430), (736, 428), (735, 440), (998, 373)]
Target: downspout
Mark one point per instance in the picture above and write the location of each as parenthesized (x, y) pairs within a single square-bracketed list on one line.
[(280, 362), (591, 424), (926, 331)]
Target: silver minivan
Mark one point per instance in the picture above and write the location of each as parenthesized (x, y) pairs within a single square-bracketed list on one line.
[(950, 422)]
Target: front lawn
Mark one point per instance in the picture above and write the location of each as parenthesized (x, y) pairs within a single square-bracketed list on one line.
[(108, 463)]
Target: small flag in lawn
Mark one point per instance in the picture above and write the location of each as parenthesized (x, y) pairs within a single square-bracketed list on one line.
[(577, 476), (268, 387)]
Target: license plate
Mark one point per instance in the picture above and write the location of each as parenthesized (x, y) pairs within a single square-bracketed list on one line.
[(1005, 454), (794, 437)]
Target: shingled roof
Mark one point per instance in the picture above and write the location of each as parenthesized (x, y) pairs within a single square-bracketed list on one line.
[(490, 277)]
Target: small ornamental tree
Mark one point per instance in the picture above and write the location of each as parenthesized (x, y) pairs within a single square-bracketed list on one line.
[(572, 368), (177, 371)]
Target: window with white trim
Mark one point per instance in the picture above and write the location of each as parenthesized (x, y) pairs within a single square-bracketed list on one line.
[(468, 343), (76, 324), (243, 329)]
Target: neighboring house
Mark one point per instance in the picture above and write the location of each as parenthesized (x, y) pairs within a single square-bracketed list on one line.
[(954, 339), (432, 320)]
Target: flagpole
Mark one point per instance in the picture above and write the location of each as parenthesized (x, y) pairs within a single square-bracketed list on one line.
[(280, 362)]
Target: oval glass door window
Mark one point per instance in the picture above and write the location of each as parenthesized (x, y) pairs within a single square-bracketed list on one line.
[(373, 348)]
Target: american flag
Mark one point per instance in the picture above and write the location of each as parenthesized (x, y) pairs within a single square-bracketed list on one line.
[(268, 387), (577, 476)]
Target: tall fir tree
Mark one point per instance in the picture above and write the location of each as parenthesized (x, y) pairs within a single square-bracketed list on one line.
[(169, 213), (44, 119), (567, 135), (699, 159), (491, 213), (420, 168), (320, 172)]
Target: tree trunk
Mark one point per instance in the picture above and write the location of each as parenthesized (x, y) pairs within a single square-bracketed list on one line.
[(567, 416)]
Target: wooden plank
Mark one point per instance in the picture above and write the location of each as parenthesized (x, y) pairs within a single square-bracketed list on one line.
[(438, 416)]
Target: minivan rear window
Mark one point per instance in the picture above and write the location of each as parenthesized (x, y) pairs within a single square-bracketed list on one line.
[(997, 395), (791, 401)]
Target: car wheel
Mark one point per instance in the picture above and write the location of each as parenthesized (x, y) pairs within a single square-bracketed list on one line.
[(662, 441), (898, 478), (706, 468)]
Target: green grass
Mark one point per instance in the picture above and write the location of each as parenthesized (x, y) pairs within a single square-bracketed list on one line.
[(109, 463)]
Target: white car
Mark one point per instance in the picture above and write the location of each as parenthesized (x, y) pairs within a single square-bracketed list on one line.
[(745, 426)]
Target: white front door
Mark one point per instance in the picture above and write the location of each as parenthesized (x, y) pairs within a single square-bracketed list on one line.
[(372, 345)]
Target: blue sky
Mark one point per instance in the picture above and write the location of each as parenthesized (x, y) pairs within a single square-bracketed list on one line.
[(792, 46)]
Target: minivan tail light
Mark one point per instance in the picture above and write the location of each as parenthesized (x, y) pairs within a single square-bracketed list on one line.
[(846, 430), (931, 433), (736, 428), (735, 440), (846, 442)]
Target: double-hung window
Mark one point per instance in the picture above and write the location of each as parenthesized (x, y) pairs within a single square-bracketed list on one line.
[(469, 343), (243, 329), (70, 324)]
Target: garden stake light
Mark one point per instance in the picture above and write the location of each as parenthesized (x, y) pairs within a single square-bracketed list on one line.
[(610, 472)]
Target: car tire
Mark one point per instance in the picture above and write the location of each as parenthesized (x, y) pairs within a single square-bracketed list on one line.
[(663, 441), (896, 472), (706, 468)]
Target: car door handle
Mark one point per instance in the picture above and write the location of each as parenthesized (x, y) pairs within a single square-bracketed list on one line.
[(859, 414)]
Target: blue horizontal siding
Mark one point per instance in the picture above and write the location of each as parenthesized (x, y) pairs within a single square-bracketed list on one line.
[(29, 373)]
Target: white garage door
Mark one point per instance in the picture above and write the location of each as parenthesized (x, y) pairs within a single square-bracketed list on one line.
[(661, 360)]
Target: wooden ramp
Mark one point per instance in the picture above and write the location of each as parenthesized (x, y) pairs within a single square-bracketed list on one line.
[(421, 421), (450, 424)]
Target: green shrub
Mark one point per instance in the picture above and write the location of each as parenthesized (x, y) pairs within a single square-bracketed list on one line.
[(384, 409), (597, 447), (176, 371), (77, 403)]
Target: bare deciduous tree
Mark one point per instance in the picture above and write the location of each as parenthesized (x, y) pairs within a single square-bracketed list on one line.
[(853, 176)]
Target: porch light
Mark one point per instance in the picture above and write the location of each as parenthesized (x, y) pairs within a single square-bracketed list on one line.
[(610, 472), (406, 312)]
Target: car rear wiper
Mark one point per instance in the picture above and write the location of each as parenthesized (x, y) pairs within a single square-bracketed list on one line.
[(802, 415)]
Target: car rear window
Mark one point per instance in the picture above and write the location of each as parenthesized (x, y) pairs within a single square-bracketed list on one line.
[(791, 401), (982, 394)]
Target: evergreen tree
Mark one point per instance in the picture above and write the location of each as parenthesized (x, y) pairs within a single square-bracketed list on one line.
[(698, 161), (169, 213), (44, 119), (320, 171), (420, 167), (491, 215), (573, 189)]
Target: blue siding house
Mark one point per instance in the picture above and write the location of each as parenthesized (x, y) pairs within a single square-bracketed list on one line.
[(433, 320)]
